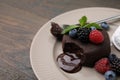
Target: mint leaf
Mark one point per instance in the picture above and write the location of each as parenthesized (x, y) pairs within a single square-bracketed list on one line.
[(65, 26), (70, 27), (83, 21), (93, 24)]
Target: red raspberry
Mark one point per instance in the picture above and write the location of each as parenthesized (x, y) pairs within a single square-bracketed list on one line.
[(96, 36), (102, 65)]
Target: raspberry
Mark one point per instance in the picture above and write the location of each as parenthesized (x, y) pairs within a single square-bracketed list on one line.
[(102, 65), (96, 36), (83, 34), (56, 30)]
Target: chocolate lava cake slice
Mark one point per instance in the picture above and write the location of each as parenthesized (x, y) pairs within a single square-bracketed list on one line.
[(92, 52)]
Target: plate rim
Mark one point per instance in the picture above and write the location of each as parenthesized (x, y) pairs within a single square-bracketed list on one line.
[(43, 26)]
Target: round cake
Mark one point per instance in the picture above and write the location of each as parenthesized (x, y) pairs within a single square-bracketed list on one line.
[(83, 44), (92, 52)]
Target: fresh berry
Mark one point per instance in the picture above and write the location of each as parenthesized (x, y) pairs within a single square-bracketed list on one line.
[(104, 25), (102, 65), (83, 34), (56, 31), (114, 63), (92, 28), (110, 75), (112, 57), (73, 33), (96, 36)]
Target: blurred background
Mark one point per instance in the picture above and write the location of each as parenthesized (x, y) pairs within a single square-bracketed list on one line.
[(19, 22)]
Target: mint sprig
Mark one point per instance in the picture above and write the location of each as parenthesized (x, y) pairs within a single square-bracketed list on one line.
[(83, 21), (65, 26), (93, 25), (70, 27)]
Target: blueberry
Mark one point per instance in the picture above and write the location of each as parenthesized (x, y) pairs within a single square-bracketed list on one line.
[(104, 25), (93, 28), (110, 75), (73, 33)]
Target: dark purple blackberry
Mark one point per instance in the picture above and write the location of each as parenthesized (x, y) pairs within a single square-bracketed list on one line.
[(83, 34), (56, 31), (114, 63)]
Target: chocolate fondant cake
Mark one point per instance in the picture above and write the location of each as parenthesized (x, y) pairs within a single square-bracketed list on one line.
[(92, 52), (83, 44)]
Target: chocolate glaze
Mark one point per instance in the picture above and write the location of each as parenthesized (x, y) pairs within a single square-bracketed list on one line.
[(92, 52), (69, 62)]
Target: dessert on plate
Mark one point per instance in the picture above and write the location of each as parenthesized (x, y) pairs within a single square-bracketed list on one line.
[(92, 52), (86, 44)]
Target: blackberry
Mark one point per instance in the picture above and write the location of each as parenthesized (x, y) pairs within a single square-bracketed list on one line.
[(114, 63), (83, 34), (56, 31)]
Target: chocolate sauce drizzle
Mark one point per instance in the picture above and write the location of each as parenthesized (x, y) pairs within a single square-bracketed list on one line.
[(70, 62)]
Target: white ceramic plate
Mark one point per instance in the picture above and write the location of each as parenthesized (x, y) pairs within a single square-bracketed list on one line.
[(45, 48)]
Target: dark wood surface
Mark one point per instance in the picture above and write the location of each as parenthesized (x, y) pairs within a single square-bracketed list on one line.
[(19, 22)]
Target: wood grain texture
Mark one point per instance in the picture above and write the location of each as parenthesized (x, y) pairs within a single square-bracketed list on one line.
[(17, 29), (19, 22)]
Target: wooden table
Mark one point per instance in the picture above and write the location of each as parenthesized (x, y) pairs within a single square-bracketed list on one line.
[(19, 22)]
